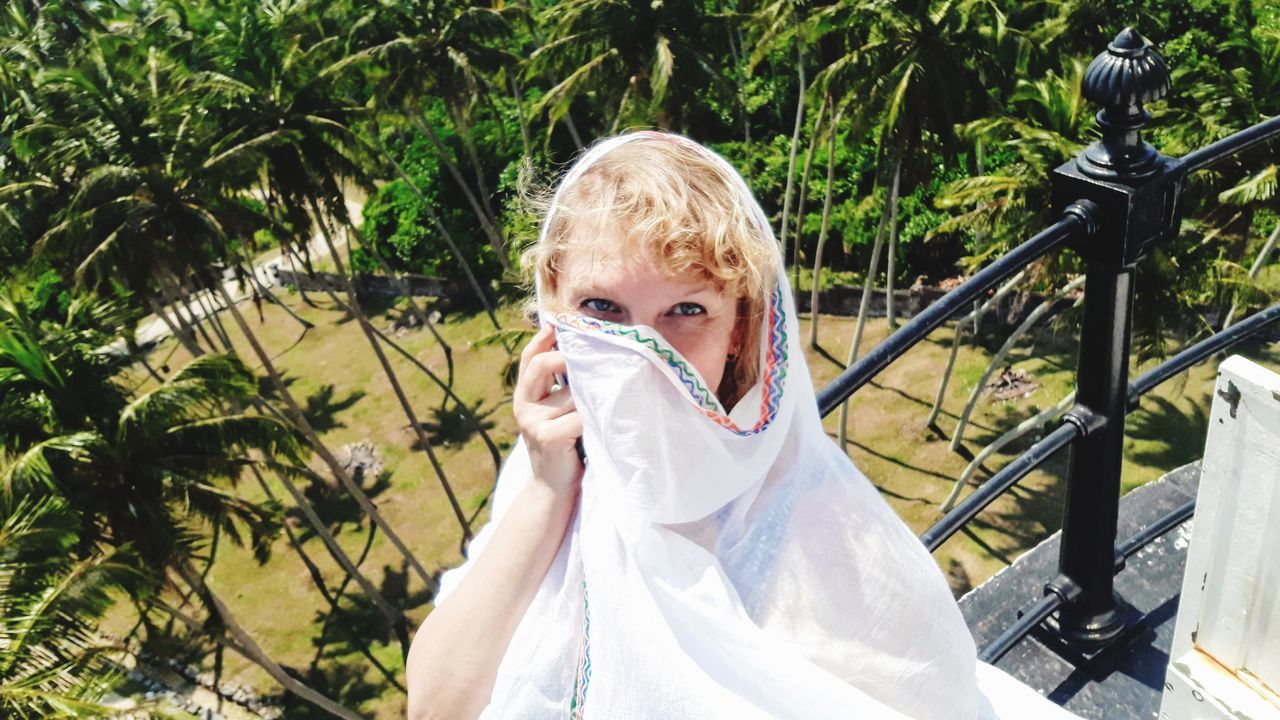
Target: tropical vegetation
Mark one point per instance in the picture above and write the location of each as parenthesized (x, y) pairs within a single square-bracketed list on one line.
[(161, 160)]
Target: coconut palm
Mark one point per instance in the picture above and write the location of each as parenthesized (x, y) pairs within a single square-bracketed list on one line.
[(148, 472), (912, 70), (644, 62), (52, 664), (304, 168), (438, 51), (774, 27)]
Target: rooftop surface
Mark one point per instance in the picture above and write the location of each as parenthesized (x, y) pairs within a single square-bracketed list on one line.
[(1126, 679)]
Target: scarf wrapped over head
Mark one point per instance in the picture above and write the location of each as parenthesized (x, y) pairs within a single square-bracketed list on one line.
[(722, 564)]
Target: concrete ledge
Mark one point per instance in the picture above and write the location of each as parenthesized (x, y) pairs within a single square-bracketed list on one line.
[(1126, 680)]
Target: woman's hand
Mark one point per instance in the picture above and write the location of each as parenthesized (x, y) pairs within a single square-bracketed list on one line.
[(452, 670), (548, 420)]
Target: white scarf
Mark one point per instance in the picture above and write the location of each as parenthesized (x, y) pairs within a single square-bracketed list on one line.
[(728, 565)]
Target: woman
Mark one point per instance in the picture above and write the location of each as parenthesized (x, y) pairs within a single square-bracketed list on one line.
[(716, 555)]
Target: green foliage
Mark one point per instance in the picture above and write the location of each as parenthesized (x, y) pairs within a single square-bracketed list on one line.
[(145, 470), (398, 225), (52, 665)]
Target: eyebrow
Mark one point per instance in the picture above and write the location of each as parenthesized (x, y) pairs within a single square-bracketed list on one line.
[(592, 290)]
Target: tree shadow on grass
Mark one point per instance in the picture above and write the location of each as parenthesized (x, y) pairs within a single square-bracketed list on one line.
[(902, 464), (1028, 515), (321, 407), (927, 404), (353, 628), (335, 505), (454, 426), (1175, 436), (341, 681), (356, 623)]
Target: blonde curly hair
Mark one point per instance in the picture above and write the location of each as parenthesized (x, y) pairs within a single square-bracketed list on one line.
[(676, 201)]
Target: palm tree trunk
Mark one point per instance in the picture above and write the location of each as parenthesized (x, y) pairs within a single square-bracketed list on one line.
[(299, 419), (1040, 311), (444, 235), (795, 146), (247, 646), (1258, 262), (468, 143), (822, 234), (423, 317), (865, 303), (976, 317), (622, 105), (178, 332), (449, 394), (193, 317), (315, 277), (742, 103), (518, 93), (1009, 436), (486, 222), (271, 297), (447, 388), (572, 127), (421, 314), (169, 291), (210, 311), (423, 440), (395, 619), (804, 194), (891, 269), (287, 253), (136, 352)]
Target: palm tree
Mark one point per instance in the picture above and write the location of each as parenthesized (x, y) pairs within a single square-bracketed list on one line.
[(52, 663), (1260, 188), (146, 472), (304, 168), (774, 25), (438, 52), (645, 62), (832, 130), (1048, 122), (913, 69)]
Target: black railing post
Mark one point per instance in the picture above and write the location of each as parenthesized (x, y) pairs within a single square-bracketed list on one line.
[(1087, 554), (1136, 191)]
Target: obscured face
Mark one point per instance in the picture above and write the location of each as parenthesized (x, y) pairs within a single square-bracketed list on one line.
[(694, 315)]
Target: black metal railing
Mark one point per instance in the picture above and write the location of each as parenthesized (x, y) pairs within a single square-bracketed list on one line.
[(1117, 201)]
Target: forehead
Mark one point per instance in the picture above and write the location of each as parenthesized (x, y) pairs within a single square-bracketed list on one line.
[(602, 267)]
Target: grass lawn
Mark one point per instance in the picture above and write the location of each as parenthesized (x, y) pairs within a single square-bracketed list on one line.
[(332, 370)]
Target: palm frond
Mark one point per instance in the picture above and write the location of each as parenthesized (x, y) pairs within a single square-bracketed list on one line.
[(1258, 187)]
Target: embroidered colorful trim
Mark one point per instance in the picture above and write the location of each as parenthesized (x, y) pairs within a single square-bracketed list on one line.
[(774, 375), (583, 678)]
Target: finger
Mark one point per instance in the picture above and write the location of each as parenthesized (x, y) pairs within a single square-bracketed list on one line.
[(541, 342), (567, 427), (557, 403), (535, 381)]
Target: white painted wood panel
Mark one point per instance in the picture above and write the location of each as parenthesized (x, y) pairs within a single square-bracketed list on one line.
[(1225, 659)]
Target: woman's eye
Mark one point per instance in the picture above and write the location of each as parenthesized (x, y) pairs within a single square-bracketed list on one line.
[(688, 308), (600, 305)]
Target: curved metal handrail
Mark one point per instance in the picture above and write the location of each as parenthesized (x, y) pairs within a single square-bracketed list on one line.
[(1230, 145), (998, 484), (1013, 634), (1078, 217), (1201, 350)]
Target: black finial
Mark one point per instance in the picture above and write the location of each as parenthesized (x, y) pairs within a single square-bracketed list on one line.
[(1128, 39), (1129, 74)]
